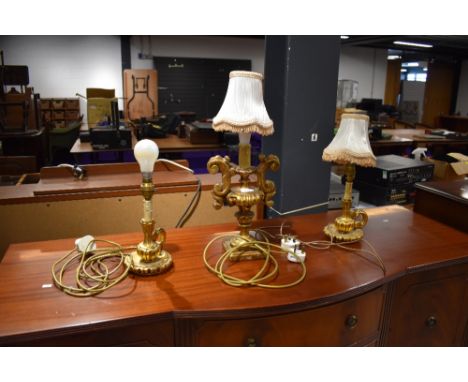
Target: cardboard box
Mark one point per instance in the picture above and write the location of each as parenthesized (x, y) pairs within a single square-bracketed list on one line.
[(455, 170), (99, 105)]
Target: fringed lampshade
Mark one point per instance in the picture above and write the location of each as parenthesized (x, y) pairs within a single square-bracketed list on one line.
[(351, 143), (243, 110)]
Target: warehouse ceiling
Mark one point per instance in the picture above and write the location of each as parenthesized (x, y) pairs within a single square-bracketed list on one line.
[(443, 46)]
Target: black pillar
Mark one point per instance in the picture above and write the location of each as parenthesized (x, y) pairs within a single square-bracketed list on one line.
[(301, 76), (125, 50)]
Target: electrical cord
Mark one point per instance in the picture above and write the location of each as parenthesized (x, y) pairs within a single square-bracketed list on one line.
[(268, 249), (262, 277), (175, 164), (324, 244), (195, 199), (98, 269), (299, 209), (191, 207)]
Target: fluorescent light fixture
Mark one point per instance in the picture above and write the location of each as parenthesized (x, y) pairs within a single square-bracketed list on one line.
[(416, 44), (425, 69), (403, 70), (393, 57), (410, 64), (344, 37)]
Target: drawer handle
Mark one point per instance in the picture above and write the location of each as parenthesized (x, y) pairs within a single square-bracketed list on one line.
[(431, 321), (251, 342), (351, 321)]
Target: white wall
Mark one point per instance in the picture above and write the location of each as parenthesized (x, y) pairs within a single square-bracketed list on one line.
[(61, 66), (197, 47), (368, 66), (462, 99)]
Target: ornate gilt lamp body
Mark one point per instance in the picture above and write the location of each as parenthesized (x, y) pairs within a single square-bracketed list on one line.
[(350, 147), (244, 196), (149, 258), (244, 112)]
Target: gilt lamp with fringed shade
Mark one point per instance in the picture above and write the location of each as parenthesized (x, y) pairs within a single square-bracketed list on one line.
[(350, 147), (243, 112)]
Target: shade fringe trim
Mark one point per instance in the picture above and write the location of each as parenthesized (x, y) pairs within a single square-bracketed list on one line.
[(244, 128), (347, 156)]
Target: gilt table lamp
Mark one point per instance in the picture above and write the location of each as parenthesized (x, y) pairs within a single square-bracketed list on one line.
[(350, 147), (243, 112)]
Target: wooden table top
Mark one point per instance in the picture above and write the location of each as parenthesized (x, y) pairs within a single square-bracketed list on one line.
[(31, 308), (171, 143), (456, 190), (412, 136)]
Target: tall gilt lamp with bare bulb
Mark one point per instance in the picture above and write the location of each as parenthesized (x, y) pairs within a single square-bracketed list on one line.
[(243, 112), (350, 147), (149, 258)]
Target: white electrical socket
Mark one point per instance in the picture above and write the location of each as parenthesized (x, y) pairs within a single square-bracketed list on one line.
[(314, 137)]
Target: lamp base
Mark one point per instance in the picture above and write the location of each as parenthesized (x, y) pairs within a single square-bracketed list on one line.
[(246, 251), (332, 232), (162, 264)]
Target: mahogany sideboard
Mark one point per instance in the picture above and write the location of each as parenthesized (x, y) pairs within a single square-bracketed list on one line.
[(345, 299)]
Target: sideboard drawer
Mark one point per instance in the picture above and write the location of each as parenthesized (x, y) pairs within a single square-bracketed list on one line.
[(352, 322), (430, 308), (157, 333)]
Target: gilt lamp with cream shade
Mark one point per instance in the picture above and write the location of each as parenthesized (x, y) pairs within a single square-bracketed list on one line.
[(350, 147), (243, 112)]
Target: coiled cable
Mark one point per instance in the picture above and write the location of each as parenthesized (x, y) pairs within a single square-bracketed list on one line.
[(97, 271)]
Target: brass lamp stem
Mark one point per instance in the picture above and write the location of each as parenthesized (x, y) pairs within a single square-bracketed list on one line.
[(244, 155), (350, 172)]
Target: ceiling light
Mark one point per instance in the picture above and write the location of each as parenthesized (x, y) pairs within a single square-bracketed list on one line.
[(344, 37), (410, 64), (393, 57), (417, 44), (403, 70), (425, 69)]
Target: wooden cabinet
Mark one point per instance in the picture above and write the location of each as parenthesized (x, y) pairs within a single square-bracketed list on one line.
[(430, 308), (59, 112), (352, 322)]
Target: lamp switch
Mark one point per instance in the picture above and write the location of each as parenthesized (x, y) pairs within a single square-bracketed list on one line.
[(314, 137)]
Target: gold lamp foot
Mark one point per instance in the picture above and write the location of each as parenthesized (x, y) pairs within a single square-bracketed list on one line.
[(149, 257), (160, 265)]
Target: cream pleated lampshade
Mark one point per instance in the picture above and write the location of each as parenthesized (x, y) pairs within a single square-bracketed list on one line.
[(243, 110), (351, 142)]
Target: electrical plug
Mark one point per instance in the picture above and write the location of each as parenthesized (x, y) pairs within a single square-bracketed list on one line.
[(83, 242), (292, 244)]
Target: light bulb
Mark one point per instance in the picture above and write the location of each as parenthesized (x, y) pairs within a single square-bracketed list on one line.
[(146, 152)]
